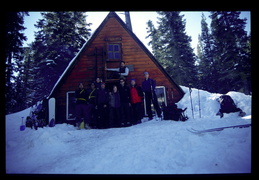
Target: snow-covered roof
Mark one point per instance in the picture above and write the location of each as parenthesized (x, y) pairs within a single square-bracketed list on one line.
[(65, 71), (73, 61)]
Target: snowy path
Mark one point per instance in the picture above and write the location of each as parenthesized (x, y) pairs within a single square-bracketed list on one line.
[(154, 147)]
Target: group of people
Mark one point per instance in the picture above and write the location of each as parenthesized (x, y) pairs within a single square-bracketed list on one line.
[(123, 106)]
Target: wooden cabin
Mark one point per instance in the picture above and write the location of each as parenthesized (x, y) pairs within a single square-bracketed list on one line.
[(111, 43)]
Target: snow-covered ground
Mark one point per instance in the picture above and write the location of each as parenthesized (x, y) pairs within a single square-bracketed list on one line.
[(153, 147)]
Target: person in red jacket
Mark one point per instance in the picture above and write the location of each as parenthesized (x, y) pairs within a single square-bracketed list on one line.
[(136, 97)]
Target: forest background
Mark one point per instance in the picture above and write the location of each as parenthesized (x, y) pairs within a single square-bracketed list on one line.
[(222, 62)]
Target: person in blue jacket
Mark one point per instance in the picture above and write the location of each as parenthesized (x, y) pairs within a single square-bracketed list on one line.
[(148, 86)]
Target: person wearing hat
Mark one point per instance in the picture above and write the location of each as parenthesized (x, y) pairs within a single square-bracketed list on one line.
[(136, 97), (148, 86)]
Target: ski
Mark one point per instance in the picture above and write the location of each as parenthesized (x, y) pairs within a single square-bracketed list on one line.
[(217, 129)]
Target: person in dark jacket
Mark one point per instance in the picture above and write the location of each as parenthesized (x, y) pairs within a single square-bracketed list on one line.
[(227, 105), (125, 103), (98, 83), (148, 86), (81, 106), (102, 107), (136, 97), (114, 107), (121, 72), (92, 105)]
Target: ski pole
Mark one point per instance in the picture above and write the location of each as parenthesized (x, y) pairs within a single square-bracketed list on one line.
[(191, 101), (152, 97), (199, 103)]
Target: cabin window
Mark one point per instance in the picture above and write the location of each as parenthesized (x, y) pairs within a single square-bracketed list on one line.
[(114, 52)]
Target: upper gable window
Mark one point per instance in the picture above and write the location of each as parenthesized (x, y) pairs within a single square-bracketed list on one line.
[(114, 51)]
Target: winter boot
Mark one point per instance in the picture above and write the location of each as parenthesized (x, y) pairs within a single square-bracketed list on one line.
[(242, 114), (78, 126), (82, 125), (219, 114), (87, 126)]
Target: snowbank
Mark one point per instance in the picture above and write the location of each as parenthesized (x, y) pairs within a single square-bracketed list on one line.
[(153, 147), (209, 105)]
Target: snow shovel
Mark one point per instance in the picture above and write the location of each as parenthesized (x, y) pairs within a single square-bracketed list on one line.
[(22, 127)]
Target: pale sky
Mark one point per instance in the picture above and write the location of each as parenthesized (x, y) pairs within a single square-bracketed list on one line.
[(138, 21)]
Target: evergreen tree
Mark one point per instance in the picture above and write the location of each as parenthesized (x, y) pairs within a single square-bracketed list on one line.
[(13, 49), (231, 53), (26, 78), (205, 57), (155, 43), (60, 36), (171, 46)]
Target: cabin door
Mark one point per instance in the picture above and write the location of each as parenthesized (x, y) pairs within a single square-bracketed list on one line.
[(71, 106), (161, 97)]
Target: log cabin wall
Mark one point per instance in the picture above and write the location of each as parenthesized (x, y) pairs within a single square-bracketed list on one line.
[(93, 58)]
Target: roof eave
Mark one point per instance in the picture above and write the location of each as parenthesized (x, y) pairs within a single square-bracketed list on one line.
[(76, 58)]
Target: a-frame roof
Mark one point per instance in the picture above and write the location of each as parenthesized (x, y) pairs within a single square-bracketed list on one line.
[(77, 57)]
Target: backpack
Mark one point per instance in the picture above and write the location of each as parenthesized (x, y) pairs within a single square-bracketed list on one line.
[(171, 112), (29, 122)]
